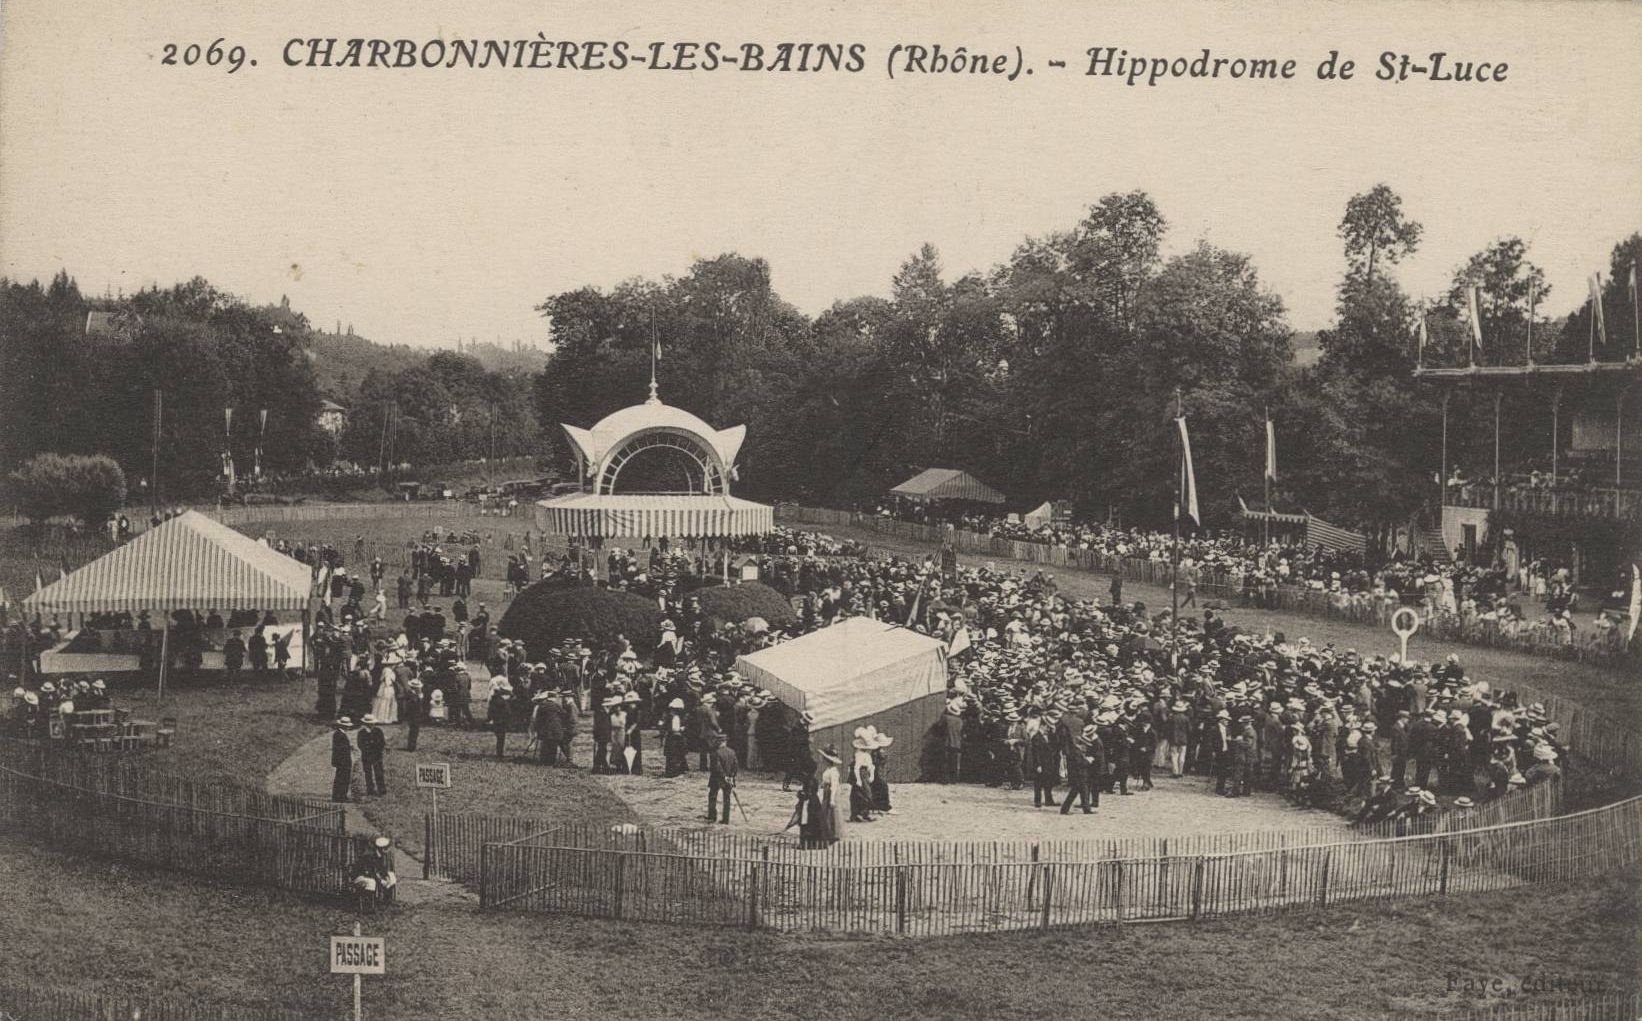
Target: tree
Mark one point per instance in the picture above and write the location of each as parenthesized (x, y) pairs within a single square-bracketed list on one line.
[(1618, 307), (1373, 228), (87, 488), (1506, 282)]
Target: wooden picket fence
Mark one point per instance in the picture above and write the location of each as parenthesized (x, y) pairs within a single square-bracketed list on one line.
[(1605, 1007), (945, 889), (229, 832), (27, 1002), (453, 842)]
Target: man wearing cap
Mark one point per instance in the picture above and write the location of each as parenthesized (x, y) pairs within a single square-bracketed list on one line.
[(722, 769), (341, 759)]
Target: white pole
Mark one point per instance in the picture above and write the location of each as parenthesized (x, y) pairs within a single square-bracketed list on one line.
[(356, 1007)]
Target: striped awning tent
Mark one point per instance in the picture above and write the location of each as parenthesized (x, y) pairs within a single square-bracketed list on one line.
[(1317, 531), (190, 562), (593, 515), (947, 484)]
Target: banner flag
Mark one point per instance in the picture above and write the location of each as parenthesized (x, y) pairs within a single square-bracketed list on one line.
[(1189, 477), (264, 421), (1471, 301), (1596, 306), (960, 643), (227, 421), (1271, 449)]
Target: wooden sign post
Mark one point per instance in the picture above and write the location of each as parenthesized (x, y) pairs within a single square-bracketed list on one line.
[(434, 776), (358, 955)]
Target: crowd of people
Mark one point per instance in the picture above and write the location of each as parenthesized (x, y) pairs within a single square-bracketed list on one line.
[(1509, 595)]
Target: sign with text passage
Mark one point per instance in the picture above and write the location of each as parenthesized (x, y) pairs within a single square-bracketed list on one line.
[(358, 955), (433, 774)]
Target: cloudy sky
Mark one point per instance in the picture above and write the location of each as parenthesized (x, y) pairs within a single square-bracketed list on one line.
[(421, 205)]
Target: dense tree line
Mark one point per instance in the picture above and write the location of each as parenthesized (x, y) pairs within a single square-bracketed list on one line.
[(78, 376), (1052, 375)]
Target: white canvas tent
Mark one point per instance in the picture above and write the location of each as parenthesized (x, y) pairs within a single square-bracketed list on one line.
[(856, 672), (1041, 515)]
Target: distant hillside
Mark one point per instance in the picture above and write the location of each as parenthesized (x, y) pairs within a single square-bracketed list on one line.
[(341, 360)]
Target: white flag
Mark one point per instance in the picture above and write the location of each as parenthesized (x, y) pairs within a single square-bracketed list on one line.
[(1476, 316), (1271, 449), (1596, 306), (1188, 486), (959, 643)]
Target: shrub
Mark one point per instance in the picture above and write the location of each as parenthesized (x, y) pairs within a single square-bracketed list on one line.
[(749, 599), (88, 488), (545, 614)]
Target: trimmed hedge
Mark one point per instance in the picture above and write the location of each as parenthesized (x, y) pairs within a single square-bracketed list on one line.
[(545, 614), (749, 599)]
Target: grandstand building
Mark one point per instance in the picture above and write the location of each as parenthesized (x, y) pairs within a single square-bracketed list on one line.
[(1542, 462)]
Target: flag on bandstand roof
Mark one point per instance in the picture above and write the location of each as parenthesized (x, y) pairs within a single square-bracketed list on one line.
[(1188, 483), (1633, 283), (62, 570), (1471, 303), (1271, 449), (39, 582), (960, 642), (1596, 307)]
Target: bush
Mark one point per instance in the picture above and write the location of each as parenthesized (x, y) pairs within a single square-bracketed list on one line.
[(545, 614), (749, 599), (88, 488)]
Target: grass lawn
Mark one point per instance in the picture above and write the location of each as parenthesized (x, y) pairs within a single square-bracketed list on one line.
[(80, 923), (226, 732), (482, 785)]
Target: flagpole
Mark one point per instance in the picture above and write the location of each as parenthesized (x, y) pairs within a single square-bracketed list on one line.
[(1174, 557), (1532, 294), (1266, 521)]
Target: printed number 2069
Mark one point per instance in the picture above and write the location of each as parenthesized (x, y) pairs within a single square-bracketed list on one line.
[(211, 56)]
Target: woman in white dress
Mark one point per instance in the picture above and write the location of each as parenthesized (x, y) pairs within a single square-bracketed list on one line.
[(385, 704)]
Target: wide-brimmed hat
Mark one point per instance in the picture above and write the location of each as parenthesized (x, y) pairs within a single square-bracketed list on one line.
[(677, 703), (1464, 803), (1545, 753), (367, 719), (631, 698), (344, 722), (830, 753), (382, 842)]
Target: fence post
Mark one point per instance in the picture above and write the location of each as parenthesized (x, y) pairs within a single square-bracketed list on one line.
[(484, 876), (901, 899), (427, 846), (1032, 881), (1197, 887), (621, 886), (1118, 866), (755, 873), (1048, 888), (1322, 886), (1442, 881)]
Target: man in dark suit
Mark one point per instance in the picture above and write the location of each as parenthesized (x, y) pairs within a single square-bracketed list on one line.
[(722, 769), (373, 747), (952, 739), (341, 759), (1078, 746)]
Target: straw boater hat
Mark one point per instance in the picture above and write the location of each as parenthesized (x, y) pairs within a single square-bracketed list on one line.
[(1545, 753), (383, 842), (368, 720), (344, 722)]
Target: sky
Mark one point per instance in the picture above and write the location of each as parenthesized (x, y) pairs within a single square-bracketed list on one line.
[(423, 205)]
